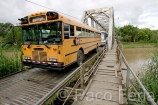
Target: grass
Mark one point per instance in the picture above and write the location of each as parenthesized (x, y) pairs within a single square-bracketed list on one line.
[(138, 44), (9, 63), (149, 78)]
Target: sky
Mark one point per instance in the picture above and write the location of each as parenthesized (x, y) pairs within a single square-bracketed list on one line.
[(140, 13)]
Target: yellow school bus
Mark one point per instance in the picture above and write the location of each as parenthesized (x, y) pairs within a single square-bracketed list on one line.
[(54, 41)]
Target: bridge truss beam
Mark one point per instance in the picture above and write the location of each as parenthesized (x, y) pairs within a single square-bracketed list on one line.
[(101, 19)]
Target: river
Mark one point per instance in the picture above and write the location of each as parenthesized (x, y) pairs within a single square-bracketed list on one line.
[(136, 57)]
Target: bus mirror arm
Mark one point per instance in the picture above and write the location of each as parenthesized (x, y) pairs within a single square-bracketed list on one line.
[(58, 49), (47, 46), (28, 46)]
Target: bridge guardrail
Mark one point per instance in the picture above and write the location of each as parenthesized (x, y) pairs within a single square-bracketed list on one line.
[(82, 74), (129, 78)]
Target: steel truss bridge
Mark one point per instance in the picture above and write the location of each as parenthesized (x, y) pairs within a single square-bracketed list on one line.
[(101, 19)]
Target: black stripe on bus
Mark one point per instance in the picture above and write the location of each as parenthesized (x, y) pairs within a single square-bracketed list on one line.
[(77, 51), (89, 42), (71, 53), (81, 37), (85, 43), (90, 46)]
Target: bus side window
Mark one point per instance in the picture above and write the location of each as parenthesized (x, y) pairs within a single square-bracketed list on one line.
[(83, 32), (92, 33), (66, 31), (86, 33), (71, 30), (78, 31)]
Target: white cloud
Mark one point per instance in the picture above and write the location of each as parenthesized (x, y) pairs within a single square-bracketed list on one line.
[(139, 13)]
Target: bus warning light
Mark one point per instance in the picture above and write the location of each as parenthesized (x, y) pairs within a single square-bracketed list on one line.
[(52, 15)]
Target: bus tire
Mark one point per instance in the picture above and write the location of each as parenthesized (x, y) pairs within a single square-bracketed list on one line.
[(80, 58)]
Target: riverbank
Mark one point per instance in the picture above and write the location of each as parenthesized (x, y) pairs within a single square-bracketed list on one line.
[(148, 75), (138, 45)]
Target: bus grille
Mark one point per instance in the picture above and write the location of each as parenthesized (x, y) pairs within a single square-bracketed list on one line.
[(43, 56), (39, 56)]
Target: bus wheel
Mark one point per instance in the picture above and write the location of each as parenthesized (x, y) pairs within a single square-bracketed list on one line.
[(80, 58)]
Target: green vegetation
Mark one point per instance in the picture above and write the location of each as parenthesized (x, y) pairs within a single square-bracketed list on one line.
[(10, 40), (10, 36), (132, 37), (9, 63), (138, 44), (149, 77), (130, 33)]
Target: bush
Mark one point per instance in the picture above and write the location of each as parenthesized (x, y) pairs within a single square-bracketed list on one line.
[(149, 78), (9, 64)]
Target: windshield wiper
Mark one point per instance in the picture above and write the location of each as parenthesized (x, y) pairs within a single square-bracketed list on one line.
[(28, 45), (47, 46)]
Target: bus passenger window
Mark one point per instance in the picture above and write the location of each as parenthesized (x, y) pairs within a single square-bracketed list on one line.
[(92, 33), (71, 30), (66, 31), (78, 31), (88, 33), (83, 32)]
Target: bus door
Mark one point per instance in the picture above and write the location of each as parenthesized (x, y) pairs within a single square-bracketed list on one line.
[(69, 42), (66, 37)]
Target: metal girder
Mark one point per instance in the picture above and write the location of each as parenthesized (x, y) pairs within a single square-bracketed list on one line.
[(97, 22), (102, 19)]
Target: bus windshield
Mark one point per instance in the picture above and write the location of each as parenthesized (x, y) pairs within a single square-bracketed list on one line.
[(49, 33)]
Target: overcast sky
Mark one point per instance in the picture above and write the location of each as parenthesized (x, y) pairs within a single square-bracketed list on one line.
[(141, 13)]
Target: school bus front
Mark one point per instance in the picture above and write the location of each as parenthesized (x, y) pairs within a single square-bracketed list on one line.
[(42, 45)]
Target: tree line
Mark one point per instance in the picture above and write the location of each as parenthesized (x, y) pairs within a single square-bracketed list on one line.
[(10, 35), (130, 33)]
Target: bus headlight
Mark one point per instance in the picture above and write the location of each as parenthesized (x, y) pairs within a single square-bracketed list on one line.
[(27, 57), (53, 59)]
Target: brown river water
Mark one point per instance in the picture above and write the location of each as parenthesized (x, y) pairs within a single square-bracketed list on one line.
[(137, 57)]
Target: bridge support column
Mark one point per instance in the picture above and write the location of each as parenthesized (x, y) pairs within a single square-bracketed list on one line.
[(111, 26)]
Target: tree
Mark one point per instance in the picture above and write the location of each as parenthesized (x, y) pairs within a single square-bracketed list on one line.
[(129, 33), (10, 35), (154, 37), (4, 28)]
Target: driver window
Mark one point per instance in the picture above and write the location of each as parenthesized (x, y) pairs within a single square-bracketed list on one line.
[(66, 31)]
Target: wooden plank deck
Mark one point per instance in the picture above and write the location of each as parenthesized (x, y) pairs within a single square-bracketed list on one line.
[(106, 85)]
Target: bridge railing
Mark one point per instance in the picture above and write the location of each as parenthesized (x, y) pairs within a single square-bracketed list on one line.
[(81, 75), (131, 79)]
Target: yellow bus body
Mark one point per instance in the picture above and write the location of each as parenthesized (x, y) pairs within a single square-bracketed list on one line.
[(66, 52)]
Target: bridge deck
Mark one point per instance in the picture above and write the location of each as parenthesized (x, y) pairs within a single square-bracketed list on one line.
[(106, 86)]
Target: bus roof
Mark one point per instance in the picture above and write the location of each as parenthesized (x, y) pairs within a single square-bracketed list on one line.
[(66, 19)]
